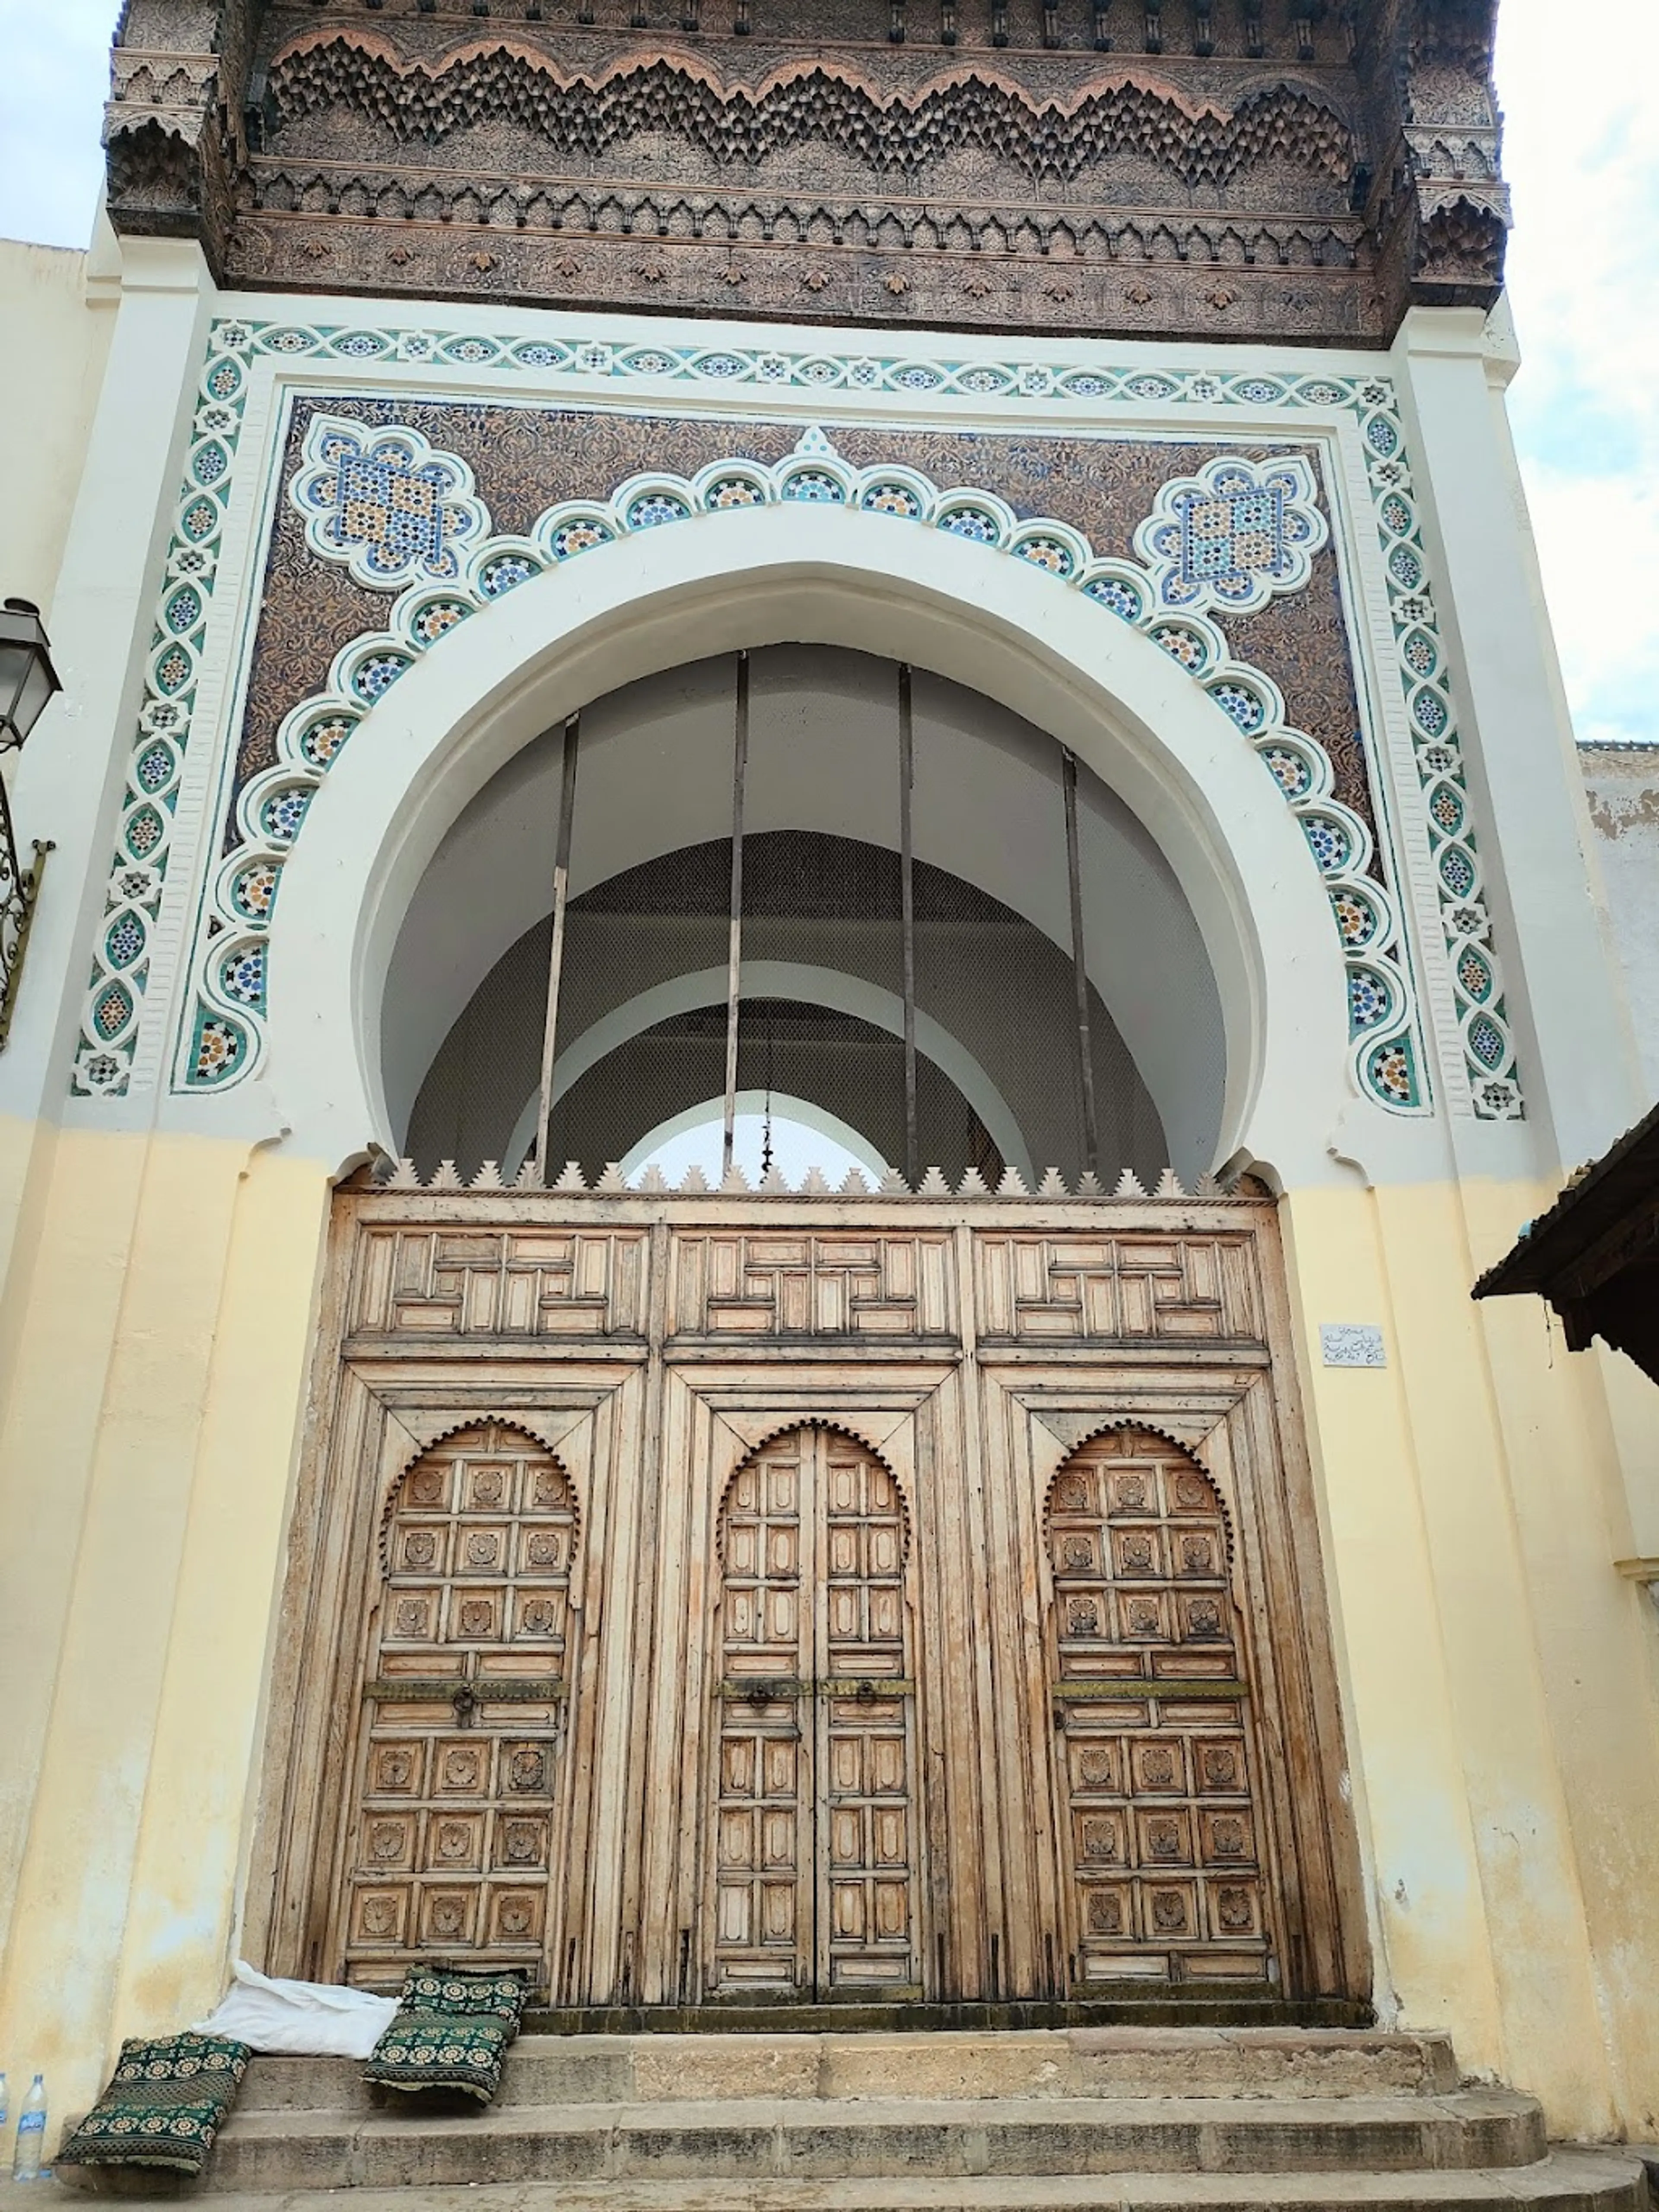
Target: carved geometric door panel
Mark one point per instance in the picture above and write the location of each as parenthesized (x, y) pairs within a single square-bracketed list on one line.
[(814, 1886), (450, 1826), (1159, 1769)]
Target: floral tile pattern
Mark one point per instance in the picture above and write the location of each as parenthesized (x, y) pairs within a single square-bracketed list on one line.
[(222, 1036)]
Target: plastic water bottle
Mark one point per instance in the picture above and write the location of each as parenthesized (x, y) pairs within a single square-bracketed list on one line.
[(31, 2133), (5, 2107)]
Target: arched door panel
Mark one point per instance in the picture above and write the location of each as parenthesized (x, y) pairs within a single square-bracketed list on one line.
[(1164, 1874), (814, 1880), (450, 1829)]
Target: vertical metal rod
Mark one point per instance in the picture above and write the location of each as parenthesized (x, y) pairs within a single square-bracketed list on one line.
[(907, 916), (1086, 1057), (734, 957), (573, 730)]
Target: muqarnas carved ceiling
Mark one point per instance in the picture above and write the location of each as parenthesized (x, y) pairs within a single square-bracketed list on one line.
[(1298, 173)]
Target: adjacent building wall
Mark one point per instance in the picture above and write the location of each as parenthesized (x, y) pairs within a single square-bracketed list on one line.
[(56, 320), (1622, 785)]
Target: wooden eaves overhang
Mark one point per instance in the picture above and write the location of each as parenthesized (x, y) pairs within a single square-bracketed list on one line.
[(1595, 1255)]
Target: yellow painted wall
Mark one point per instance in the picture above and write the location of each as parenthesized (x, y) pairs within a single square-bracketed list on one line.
[(1500, 1691), (154, 1398), (1502, 1701)]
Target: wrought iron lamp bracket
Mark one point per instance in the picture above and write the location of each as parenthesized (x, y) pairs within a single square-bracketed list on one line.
[(19, 894), (27, 683)]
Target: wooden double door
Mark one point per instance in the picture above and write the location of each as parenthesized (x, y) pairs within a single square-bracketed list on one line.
[(813, 1887), (460, 1721), (643, 1639)]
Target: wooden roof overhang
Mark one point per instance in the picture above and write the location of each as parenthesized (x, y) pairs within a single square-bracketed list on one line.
[(1595, 1255)]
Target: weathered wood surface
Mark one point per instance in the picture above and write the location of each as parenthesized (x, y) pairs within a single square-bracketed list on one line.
[(819, 1441)]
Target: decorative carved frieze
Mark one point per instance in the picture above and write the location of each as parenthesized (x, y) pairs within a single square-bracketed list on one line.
[(1445, 211), (1306, 283), (172, 127), (894, 131), (801, 1284), (500, 1282), (1052, 1290), (1159, 175), (801, 1280)]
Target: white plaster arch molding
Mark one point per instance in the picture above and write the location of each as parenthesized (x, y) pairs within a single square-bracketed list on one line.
[(665, 597), (782, 979)]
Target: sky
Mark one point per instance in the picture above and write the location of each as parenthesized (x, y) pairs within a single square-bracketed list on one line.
[(796, 1147), (1582, 153)]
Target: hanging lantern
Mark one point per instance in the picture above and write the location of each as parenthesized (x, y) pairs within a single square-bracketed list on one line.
[(28, 683), (28, 678)]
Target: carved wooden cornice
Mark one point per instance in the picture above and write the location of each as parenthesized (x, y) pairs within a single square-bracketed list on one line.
[(837, 170), (1442, 210), (172, 125)]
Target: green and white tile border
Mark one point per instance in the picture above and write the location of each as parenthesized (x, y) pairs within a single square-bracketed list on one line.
[(173, 809)]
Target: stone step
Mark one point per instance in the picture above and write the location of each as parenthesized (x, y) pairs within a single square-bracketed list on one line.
[(1114, 2004), (550, 2069), (760, 2139), (1568, 2181)]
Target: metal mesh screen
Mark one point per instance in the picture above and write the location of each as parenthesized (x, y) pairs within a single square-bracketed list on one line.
[(823, 908), (1001, 982), (643, 1012), (661, 927), (471, 1102)]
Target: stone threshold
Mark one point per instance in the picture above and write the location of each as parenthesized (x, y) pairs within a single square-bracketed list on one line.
[(1237, 2005)]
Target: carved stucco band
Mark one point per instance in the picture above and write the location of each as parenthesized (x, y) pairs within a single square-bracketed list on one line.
[(220, 1036), (895, 130)]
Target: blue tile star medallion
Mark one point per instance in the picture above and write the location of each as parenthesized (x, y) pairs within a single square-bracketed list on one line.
[(1234, 535), (388, 505)]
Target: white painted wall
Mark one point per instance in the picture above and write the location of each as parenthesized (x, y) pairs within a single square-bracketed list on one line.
[(54, 330)]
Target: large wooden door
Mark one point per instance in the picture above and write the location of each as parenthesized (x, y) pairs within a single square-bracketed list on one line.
[(1161, 1830), (813, 1886), (449, 1838), (709, 1781)]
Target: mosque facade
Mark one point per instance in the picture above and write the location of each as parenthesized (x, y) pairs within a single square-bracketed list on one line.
[(941, 579)]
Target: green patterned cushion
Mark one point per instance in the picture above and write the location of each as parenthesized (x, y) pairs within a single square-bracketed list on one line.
[(164, 2107), (463, 1993), (435, 2051)]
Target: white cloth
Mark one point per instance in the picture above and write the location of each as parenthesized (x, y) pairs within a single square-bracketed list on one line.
[(315, 2019)]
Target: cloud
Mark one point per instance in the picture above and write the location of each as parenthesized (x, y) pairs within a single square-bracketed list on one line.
[(1581, 149), (53, 88), (1582, 152)]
